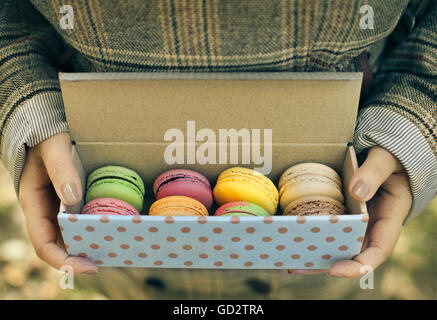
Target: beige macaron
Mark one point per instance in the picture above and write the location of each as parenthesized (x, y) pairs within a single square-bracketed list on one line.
[(308, 179), (314, 206)]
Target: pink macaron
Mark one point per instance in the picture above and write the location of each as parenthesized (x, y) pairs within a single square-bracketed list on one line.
[(182, 182), (109, 206)]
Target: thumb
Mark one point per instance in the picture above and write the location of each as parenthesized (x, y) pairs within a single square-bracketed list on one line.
[(379, 165), (56, 155)]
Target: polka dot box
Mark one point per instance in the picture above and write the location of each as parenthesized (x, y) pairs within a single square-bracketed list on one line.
[(117, 118), (214, 242), (273, 242)]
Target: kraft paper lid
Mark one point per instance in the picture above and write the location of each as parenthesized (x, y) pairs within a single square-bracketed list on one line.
[(300, 108)]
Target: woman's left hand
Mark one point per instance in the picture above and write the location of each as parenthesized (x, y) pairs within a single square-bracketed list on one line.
[(383, 183)]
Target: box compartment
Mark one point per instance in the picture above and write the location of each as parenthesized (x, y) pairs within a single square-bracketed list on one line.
[(121, 118)]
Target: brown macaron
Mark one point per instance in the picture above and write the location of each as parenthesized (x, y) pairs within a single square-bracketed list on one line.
[(314, 206), (307, 179)]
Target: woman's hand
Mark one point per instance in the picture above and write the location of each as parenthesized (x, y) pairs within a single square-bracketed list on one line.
[(381, 181), (49, 176)]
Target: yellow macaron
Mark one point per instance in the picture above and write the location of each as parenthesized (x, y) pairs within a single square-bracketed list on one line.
[(243, 184)]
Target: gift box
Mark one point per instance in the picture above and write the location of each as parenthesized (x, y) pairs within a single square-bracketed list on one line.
[(208, 122)]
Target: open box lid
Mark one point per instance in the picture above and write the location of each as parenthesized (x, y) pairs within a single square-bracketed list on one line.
[(123, 119), (301, 108)]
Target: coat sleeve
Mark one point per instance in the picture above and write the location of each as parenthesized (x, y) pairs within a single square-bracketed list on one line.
[(400, 114), (31, 108)]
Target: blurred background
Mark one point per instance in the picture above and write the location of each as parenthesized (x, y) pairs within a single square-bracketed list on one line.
[(410, 272)]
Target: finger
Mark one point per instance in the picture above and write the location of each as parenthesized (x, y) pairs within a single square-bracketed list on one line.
[(371, 222), (55, 153), (377, 167), (383, 233), (40, 206), (307, 272)]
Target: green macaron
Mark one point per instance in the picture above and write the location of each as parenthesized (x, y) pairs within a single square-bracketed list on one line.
[(116, 182)]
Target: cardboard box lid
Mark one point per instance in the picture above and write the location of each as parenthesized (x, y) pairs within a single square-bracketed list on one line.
[(298, 107)]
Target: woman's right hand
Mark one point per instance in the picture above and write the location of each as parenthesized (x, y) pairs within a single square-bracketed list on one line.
[(49, 177)]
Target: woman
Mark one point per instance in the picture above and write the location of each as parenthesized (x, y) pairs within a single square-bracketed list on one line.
[(393, 44)]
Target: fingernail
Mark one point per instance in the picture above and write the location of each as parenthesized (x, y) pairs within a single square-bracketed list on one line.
[(70, 193), (361, 190)]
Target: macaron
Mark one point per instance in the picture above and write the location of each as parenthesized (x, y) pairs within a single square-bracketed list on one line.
[(243, 184), (307, 179), (241, 209), (181, 182), (177, 206), (116, 182), (314, 206), (109, 206)]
